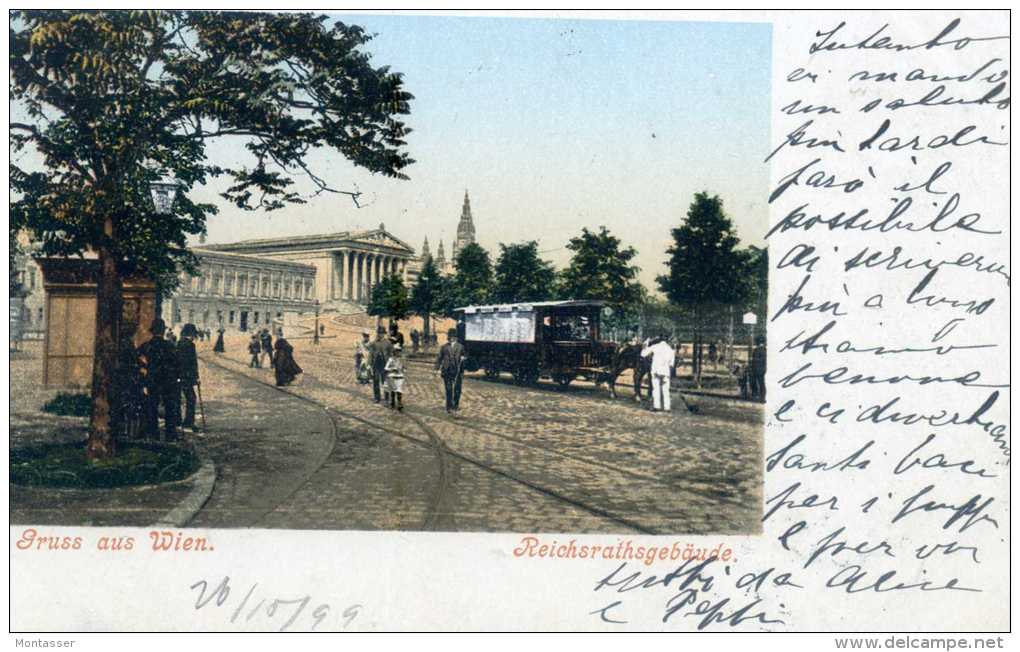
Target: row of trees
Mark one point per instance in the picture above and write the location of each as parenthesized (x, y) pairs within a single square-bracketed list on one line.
[(708, 279)]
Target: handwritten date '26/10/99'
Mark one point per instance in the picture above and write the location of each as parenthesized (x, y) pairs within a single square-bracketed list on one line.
[(297, 612)]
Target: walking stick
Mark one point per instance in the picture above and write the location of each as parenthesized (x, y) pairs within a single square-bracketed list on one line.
[(201, 406)]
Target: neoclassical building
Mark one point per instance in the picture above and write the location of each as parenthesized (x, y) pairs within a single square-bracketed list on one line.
[(347, 264), (239, 292)]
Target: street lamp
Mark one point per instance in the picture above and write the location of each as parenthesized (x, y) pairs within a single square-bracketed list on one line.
[(163, 192), (315, 337)]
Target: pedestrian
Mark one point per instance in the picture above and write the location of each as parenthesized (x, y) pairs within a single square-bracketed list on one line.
[(266, 339), (742, 380), (713, 353), (283, 363), (450, 364), (396, 337), (362, 370), (758, 363), (128, 398), (379, 353), (187, 365), (255, 348), (663, 358), (395, 378), (218, 347), (159, 373), (415, 338)]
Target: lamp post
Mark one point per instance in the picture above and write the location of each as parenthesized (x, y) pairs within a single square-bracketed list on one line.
[(315, 337), (163, 192)]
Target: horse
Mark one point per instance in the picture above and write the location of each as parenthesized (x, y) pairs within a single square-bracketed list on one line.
[(628, 356)]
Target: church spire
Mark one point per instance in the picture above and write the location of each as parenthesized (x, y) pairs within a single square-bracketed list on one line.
[(440, 255), (465, 228), (425, 253)]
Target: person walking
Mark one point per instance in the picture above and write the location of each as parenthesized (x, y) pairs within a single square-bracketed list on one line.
[(218, 347), (159, 372), (396, 337), (284, 364), (663, 359), (450, 364), (266, 339), (415, 339), (362, 371), (395, 378), (255, 349), (187, 364), (379, 353)]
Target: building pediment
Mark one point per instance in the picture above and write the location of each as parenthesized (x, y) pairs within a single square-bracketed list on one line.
[(380, 239)]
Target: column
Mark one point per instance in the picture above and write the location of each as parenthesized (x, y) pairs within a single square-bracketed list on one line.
[(359, 277), (338, 264), (349, 271)]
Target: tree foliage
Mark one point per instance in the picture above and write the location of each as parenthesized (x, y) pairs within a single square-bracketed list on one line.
[(705, 267), (521, 275), (472, 282), (389, 298), (109, 101), (117, 99), (601, 268)]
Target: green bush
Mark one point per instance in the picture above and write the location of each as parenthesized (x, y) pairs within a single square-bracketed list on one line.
[(65, 465), (70, 405)]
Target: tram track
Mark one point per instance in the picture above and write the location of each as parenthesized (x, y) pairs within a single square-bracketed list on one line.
[(552, 451), (434, 517)]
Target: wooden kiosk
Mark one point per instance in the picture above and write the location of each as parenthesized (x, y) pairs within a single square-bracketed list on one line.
[(70, 285)]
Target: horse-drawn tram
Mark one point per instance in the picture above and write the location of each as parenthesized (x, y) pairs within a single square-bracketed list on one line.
[(552, 339)]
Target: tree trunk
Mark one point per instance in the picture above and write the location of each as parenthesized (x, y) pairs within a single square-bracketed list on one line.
[(101, 442), (427, 331)]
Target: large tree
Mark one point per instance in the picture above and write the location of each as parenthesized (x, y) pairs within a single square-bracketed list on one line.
[(114, 100), (426, 295), (471, 284), (389, 299), (521, 275), (601, 268), (707, 273)]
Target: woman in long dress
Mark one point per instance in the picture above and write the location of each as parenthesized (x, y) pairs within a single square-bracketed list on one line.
[(218, 347), (283, 362)]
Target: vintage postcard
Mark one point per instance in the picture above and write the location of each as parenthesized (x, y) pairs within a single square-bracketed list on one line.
[(346, 321)]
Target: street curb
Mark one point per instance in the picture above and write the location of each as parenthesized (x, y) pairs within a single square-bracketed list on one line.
[(205, 479)]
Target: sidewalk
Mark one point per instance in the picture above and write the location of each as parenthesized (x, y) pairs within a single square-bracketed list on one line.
[(264, 445), (128, 506)]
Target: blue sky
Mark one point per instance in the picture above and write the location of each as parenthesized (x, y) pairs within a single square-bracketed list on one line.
[(553, 125)]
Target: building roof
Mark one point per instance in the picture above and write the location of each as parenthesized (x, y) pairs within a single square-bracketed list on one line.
[(527, 307), (260, 261), (322, 239)]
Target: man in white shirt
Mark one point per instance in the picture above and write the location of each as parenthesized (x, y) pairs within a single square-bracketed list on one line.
[(663, 359)]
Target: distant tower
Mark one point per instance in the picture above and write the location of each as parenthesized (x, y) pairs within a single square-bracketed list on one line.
[(465, 228), (441, 258), (425, 253)]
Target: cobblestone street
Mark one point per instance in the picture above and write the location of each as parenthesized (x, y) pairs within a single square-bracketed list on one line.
[(321, 454), (514, 458)]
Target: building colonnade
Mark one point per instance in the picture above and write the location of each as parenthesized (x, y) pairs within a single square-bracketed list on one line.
[(355, 272)]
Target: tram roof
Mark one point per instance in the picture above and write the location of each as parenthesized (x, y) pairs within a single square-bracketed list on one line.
[(527, 307)]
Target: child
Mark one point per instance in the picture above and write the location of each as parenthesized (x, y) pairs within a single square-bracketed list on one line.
[(254, 348), (395, 378)]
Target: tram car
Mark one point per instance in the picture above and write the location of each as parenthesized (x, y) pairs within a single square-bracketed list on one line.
[(559, 340)]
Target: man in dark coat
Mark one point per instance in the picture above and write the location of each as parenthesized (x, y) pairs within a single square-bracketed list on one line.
[(159, 373), (378, 353), (758, 362), (187, 363), (128, 397), (450, 364), (283, 363), (415, 337)]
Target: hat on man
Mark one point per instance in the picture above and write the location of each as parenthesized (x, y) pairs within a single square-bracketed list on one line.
[(452, 332), (158, 326), (189, 330)]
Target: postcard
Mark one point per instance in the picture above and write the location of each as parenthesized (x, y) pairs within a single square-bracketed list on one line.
[(510, 321)]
